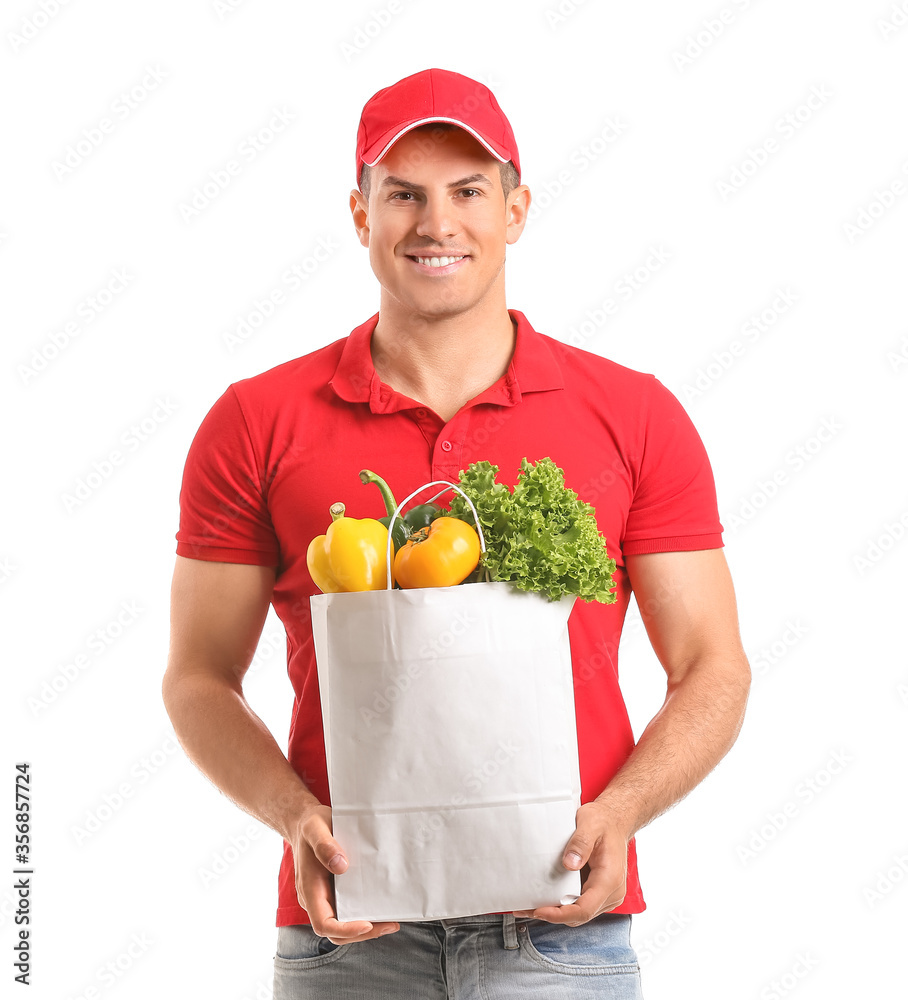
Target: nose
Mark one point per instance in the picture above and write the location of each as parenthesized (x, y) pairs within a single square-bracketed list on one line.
[(437, 219)]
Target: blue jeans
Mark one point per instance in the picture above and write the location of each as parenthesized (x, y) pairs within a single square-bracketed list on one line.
[(485, 957)]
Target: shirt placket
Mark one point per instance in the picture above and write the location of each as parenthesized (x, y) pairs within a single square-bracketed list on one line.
[(445, 440), (447, 453)]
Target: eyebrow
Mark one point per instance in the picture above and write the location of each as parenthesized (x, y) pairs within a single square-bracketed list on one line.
[(400, 182)]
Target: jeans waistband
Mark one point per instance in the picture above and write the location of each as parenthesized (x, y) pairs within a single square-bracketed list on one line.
[(507, 921)]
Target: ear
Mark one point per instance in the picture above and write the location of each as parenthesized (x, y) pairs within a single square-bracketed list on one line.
[(516, 209), (359, 206)]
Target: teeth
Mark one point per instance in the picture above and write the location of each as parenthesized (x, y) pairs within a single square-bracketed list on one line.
[(438, 261)]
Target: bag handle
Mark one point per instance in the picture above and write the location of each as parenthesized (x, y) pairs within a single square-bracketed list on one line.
[(416, 492)]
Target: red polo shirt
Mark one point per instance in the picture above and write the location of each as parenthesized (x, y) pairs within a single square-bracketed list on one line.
[(276, 450)]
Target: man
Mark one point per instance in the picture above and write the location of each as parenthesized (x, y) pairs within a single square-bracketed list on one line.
[(444, 375)]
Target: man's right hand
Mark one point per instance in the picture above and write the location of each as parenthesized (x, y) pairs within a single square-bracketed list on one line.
[(217, 614), (316, 857)]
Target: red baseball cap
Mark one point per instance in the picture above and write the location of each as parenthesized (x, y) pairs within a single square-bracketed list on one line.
[(433, 95)]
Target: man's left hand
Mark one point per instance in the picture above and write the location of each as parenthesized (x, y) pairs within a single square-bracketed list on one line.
[(599, 843)]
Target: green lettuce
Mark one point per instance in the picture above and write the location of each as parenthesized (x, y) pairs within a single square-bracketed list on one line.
[(541, 536)]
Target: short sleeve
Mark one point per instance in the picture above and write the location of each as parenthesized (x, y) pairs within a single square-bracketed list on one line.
[(223, 510), (674, 507)]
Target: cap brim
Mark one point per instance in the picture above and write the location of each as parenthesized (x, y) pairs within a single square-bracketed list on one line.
[(378, 149)]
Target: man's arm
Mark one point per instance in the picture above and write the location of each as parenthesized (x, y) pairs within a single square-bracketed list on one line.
[(687, 604), (217, 614)]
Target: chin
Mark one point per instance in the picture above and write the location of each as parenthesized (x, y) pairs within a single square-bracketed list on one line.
[(430, 311), (435, 306)]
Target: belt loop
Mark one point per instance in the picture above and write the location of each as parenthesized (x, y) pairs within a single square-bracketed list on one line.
[(509, 931)]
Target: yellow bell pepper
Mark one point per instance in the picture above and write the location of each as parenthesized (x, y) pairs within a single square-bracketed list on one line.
[(351, 555)]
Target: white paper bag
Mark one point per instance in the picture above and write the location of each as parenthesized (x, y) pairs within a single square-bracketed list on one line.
[(451, 748)]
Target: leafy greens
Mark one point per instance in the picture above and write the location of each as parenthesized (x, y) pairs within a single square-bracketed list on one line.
[(541, 536)]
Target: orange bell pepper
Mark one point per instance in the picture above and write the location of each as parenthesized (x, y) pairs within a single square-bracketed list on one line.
[(442, 554)]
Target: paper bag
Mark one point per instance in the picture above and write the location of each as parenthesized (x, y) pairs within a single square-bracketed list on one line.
[(451, 748)]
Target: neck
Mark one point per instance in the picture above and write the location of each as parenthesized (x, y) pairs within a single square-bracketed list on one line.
[(442, 361)]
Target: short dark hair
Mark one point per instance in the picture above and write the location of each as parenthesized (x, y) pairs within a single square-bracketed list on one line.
[(507, 171)]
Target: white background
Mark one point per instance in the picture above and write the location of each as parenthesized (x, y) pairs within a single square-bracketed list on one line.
[(787, 865)]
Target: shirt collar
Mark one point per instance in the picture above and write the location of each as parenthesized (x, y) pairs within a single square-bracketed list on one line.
[(533, 368)]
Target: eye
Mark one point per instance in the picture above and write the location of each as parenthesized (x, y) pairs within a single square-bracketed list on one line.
[(402, 195), (471, 191)]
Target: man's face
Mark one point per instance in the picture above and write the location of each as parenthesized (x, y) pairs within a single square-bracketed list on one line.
[(437, 222)]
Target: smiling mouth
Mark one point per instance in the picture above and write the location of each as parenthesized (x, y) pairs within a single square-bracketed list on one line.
[(437, 261)]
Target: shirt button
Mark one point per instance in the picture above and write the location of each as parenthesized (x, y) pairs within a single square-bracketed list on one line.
[(446, 446), (420, 412)]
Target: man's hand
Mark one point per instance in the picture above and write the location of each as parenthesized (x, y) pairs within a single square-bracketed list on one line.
[(316, 856), (218, 610), (687, 603), (599, 844)]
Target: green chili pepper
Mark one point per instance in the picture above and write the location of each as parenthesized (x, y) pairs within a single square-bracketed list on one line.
[(419, 517)]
